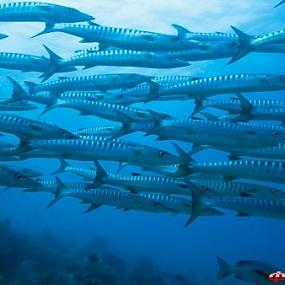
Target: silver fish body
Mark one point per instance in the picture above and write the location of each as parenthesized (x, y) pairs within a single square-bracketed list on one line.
[(131, 39), (103, 131), (91, 82), (221, 135), (238, 83), (17, 106), (90, 150), (40, 12), (123, 58), (23, 62), (260, 170), (242, 189), (27, 129), (104, 110)]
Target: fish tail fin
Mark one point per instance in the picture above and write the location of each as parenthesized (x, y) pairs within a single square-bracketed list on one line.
[(48, 108), (184, 157), (31, 86), (279, 4), (244, 45), (58, 193), (101, 174), (198, 105), (18, 93), (224, 269), (49, 28), (54, 64), (63, 165), (198, 204), (125, 129), (125, 119), (245, 105)]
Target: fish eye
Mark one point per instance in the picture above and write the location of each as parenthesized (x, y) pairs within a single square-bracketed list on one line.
[(275, 134), (273, 191), (162, 153), (19, 176), (64, 132)]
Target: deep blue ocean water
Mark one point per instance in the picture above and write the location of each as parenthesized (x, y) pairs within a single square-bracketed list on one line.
[(173, 248)]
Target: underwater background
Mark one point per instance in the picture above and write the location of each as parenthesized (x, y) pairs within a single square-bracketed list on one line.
[(161, 239)]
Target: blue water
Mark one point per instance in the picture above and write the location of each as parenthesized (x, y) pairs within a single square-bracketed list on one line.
[(173, 248)]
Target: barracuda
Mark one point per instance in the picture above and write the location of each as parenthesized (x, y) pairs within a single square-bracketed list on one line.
[(120, 37), (226, 84), (244, 206), (40, 12), (124, 200), (231, 188), (274, 152), (29, 129), (23, 62), (115, 57), (17, 106), (219, 134), (108, 111), (260, 170), (15, 178), (90, 150), (138, 183), (147, 91), (241, 105), (249, 43), (100, 82), (103, 131)]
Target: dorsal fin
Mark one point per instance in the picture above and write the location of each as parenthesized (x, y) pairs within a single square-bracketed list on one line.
[(181, 31)]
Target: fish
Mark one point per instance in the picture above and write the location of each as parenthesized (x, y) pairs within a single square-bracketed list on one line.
[(23, 62), (131, 39), (86, 173), (232, 83), (254, 169), (25, 128), (108, 111), (253, 271), (98, 149), (100, 82), (249, 43), (115, 57), (147, 91), (120, 199), (17, 106), (141, 183), (246, 108), (103, 131), (218, 134), (274, 152), (279, 4), (233, 188), (41, 12), (265, 207), (15, 178)]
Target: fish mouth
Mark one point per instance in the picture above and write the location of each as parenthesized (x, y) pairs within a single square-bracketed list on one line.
[(3, 36)]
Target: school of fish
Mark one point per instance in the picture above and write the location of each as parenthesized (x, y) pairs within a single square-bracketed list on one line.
[(175, 183)]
